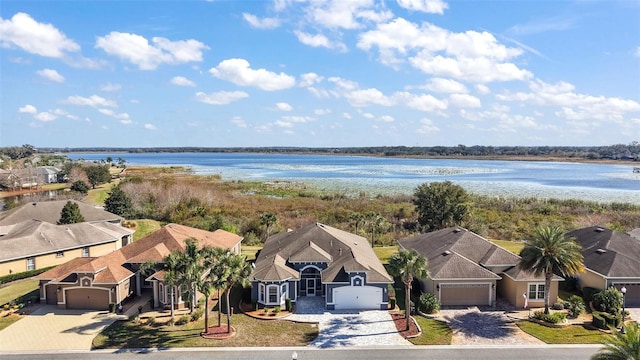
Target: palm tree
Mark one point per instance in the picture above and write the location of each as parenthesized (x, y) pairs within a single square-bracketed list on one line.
[(621, 345), (357, 219), (238, 271), (408, 265), (550, 252), (171, 266), (211, 280), (191, 270), (220, 272), (267, 219)]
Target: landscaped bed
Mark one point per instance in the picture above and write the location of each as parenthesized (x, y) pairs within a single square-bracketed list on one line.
[(434, 332)]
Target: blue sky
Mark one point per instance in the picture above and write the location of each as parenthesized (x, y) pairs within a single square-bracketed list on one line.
[(319, 73)]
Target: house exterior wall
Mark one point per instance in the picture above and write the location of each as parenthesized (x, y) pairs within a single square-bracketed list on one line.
[(588, 278), (51, 259), (512, 291)]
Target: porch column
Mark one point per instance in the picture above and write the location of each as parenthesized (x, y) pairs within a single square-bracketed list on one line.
[(156, 303), (138, 284)]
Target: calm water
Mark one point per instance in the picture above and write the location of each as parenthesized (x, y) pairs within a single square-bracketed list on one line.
[(351, 174)]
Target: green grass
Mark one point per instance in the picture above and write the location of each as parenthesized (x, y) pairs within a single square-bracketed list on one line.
[(8, 320), (385, 252), (100, 193), (145, 227), (250, 251), (572, 334), (434, 332), (513, 246), (17, 289)]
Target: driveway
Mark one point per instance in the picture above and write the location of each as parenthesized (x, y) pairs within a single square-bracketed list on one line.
[(474, 327), (50, 328), (341, 328)]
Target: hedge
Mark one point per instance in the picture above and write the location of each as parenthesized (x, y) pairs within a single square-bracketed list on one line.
[(23, 275), (603, 320)]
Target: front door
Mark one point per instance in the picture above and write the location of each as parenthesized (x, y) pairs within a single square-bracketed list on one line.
[(311, 287)]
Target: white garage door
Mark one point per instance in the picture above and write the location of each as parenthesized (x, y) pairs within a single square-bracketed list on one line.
[(464, 294), (357, 297)]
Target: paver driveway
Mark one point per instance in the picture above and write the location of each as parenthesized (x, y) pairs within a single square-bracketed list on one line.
[(347, 328), (474, 327), (50, 328)]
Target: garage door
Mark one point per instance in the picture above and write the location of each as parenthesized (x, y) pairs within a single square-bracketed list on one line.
[(357, 297), (464, 294), (93, 299), (632, 298)]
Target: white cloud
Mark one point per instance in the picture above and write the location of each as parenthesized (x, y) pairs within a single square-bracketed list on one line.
[(148, 56), (51, 75), (464, 101), (347, 116), (108, 87), (368, 96), (282, 106), (387, 118), (427, 127), (290, 121), (322, 111), (422, 102), (239, 122), (221, 97), (34, 37), (309, 79), (45, 116), (483, 89), (448, 86), (150, 127), (428, 6), (318, 40), (341, 14), (264, 23), (239, 72), (93, 101), (123, 117), (182, 81), (29, 109)]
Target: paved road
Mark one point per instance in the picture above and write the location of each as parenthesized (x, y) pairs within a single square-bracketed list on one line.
[(449, 352)]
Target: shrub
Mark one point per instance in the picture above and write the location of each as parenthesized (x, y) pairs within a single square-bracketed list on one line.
[(588, 292), (429, 303), (184, 319), (575, 306), (608, 300), (23, 275), (570, 283), (197, 315), (276, 310), (254, 305), (603, 320), (392, 302), (553, 318), (112, 307), (287, 304), (557, 306), (151, 320)]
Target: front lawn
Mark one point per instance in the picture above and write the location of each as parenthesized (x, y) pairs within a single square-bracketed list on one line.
[(572, 334), (385, 252), (434, 332), (145, 227), (18, 289)]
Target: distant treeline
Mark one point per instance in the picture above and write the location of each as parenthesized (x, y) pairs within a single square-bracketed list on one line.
[(629, 152)]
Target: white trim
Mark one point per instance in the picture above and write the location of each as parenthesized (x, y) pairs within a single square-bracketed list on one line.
[(537, 284), (309, 266), (353, 278)]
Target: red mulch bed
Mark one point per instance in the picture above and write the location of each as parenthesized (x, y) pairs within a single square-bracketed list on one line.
[(218, 332), (401, 324)]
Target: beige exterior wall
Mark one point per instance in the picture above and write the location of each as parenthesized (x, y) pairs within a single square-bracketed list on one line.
[(588, 278), (46, 260), (512, 291)]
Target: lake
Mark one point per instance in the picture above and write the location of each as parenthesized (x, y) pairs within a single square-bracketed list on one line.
[(382, 175)]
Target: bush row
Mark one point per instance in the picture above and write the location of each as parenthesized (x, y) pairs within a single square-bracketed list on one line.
[(23, 275), (603, 320)]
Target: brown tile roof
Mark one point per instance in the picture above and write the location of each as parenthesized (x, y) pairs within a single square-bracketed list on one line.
[(348, 252), (49, 211), (457, 253)]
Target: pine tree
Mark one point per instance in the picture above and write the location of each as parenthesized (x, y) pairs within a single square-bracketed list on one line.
[(70, 214)]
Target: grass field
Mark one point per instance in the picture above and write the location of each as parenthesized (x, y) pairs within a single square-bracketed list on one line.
[(384, 252), (100, 193), (434, 332), (512, 246), (145, 227), (250, 251), (573, 334), (17, 289)]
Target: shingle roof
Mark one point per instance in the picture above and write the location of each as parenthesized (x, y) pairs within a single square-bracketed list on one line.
[(49, 211), (169, 238), (316, 242), (610, 253), (34, 237), (456, 253)]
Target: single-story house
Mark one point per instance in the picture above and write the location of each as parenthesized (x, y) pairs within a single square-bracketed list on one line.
[(611, 258), (49, 211), (93, 283), (467, 269), (319, 260), (35, 244)]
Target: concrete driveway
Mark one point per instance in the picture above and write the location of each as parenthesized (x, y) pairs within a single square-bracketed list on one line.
[(474, 327), (50, 328), (347, 328)]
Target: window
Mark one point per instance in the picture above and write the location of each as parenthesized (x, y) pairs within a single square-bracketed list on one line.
[(536, 291), (273, 294), (85, 251), (261, 293), (31, 263), (59, 254)]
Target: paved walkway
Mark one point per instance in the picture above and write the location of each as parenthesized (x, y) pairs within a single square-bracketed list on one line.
[(341, 328)]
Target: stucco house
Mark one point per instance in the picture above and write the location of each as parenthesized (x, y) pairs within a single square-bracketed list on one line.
[(611, 258), (35, 244), (319, 260), (94, 282), (467, 269)]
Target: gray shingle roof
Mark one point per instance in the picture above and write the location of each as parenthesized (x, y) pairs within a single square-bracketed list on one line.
[(49, 211), (316, 242), (610, 253)]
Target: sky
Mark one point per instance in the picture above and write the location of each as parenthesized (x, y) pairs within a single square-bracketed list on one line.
[(319, 73)]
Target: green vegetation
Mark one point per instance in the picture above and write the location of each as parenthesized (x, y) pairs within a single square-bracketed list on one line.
[(434, 332), (572, 334), (8, 320), (621, 345), (99, 194), (440, 205), (118, 203), (513, 246), (23, 275), (144, 227), (406, 266), (17, 290), (250, 251), (70, 214)]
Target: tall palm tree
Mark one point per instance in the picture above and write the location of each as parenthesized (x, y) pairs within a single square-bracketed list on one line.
[(357, 219), (267, 219), (621, 346), (212, 280), (191, 270), (170, 265), (550, 252), (238, 270), (408, 265)]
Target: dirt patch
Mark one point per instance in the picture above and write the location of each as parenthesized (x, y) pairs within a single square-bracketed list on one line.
[(401, 324), (219, 332)]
